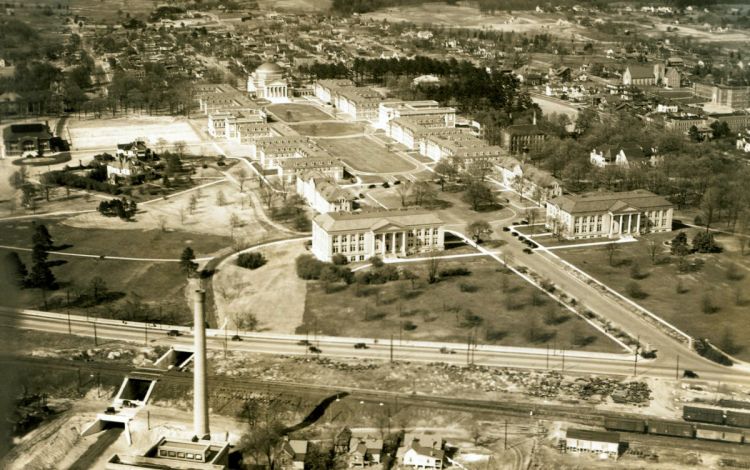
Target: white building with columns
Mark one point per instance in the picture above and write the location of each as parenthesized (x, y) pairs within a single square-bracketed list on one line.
[(607, 214), (268, 82), (388, 234)]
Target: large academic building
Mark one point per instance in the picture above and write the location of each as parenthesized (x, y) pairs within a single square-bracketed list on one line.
[(360, 236), (608, 214)]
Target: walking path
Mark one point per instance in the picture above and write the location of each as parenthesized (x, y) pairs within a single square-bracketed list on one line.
[(102, 257)]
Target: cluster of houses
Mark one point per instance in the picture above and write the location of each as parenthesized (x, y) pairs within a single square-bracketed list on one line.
[(418, 451)]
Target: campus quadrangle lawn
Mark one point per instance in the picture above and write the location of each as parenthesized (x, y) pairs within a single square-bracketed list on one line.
[(328, 129), (507, 315), (289, 112), (730, 319), (365, 155)]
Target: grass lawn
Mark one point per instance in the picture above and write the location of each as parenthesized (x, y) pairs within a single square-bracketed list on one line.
[(365, 155), (503, 307), (328, 129), (711, 284), (289, 112)]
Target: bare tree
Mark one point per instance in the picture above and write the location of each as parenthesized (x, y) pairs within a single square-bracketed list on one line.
[(242, 178), (180, 147), (404, 191), (183, 211), (653, 248), (267, 195), (161, 220), (264, 437), (433, 267), (530, 215), (193, 203), (611, 248), (221, 199)]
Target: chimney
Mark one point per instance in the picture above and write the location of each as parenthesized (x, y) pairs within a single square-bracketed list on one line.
[(200, 406)]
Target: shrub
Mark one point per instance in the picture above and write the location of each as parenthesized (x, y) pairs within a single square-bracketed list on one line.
[(581, 339), (636, 272), (704, 242), (705, 349), (409, 325), (634, 290), (468, 287), (708, 305), (308, 267), (553, 317), (450, 272), (495, 335), (470, 320), (374, 316), (361, 291), (339, 260), (377, 262), (252, 260), (547, 285), (733, 273)]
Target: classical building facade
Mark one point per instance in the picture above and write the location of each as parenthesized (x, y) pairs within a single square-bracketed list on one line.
[(360, 236), (608, 214), (268, 82)]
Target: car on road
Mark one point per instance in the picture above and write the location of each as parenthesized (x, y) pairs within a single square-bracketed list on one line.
[(360, 346), (689, 374), (303, 342), (314, 349), (528, 251), (173, 333), (445, 350), (236, 338)]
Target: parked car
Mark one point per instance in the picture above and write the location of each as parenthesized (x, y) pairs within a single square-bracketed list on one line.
[(689, 374), (361, 346), (445, 350), (303, 342), (528, 251), (236, 338), (173, 333), (314, 349), (506, 229)]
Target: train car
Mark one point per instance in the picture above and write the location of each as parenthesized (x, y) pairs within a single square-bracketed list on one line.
[(737, 418), (703, 415), (670, 428), (719, 433), (737, 404), (625, 424)]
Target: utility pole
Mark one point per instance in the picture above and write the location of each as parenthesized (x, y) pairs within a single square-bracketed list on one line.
[(677, 369), (225, 341), (67, 309), (506, 434), (563, 360), (96, 340), (145, 333), (391, 348), (468, 350), (635, 357), (547, 358)]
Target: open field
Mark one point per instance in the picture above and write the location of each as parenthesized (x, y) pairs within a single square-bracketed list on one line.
[(104, 134), (503, 307), (290, 112), (365, 155), (660, 282), (328, 129), (295, 5), (272, 293)]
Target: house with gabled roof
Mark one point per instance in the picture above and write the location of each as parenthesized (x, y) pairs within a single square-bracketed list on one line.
[(293, 454), (608, 214), (422, 452), (365, 451), (322, 194)]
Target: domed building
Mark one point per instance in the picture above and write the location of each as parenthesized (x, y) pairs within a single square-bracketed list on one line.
[(268, 82)]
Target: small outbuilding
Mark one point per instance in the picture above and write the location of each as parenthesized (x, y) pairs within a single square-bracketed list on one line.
[(604, 443)]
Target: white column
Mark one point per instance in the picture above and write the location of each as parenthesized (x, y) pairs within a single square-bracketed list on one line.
[(620, 227), (630, 222), (638, 224), (382, 245), (403, 243), (611, 223), (393, 243)]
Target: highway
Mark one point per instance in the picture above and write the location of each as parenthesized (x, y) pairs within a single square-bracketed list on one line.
[(572, 362)]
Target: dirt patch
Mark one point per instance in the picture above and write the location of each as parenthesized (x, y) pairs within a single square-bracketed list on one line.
[(104, 134), (272, 293)]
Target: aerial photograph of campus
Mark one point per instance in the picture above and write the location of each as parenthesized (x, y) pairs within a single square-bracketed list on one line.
[(383, 234)]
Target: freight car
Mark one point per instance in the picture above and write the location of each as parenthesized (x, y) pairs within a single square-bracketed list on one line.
[(625, 424), (671, 428), (742, 405), (703, 415), (737, 418), (719, 433)]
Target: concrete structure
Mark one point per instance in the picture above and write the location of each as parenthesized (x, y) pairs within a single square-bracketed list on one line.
[(604, 443), (267, 82), (271, 152), (608, 214), (737, 121), (25, 139), (411, 131), (238, 126), (200, 394), (360, 236), (322, 194), (170, 453)]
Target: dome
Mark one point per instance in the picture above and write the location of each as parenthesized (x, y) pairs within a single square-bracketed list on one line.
[(269, 67)]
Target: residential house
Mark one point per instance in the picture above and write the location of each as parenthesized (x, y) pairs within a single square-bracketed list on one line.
[(20, 139), (360, 236), (421, 453), (365, 451), (608, 214), (604, 443), (293, 454), (529, 181), (324, 195), (625, 156)]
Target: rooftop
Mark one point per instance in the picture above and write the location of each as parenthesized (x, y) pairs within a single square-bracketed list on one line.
[(596, 436), (376, 220), (610, 201)]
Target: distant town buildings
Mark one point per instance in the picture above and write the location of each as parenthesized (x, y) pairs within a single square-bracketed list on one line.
[(360, 236), (608, 214)]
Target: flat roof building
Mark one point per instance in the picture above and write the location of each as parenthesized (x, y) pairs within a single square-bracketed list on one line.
[(170, 453), (605, 443)]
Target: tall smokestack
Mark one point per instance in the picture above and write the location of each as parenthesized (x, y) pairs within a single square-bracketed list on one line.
[(200, 406)]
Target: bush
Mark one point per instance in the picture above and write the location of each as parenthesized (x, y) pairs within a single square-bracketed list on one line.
[(470, 320), (636, 272), (553, 317), (252, 260), (547, 285), (377, 262), (409, 325), (705, 349), (121, 208), (708, 305), (339, 260), (450, 272), (468, 287), (495, 335), (634, 290), (704, 242), (308, 267), (374, 316)]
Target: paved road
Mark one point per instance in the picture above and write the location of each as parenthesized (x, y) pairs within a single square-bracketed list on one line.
[(575, 362)]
